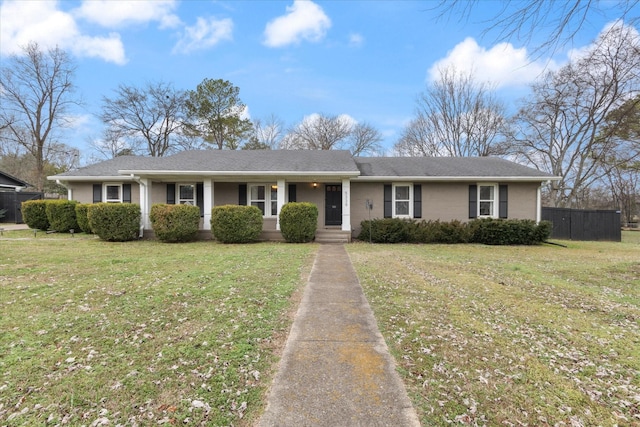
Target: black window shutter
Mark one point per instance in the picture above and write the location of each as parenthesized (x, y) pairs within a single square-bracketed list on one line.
[(417, 200), (200, 197), (171, 194), (242, 194), (473, 201), (503, 195), (126, 193), (97, 193), (388, 201), (292, 192)]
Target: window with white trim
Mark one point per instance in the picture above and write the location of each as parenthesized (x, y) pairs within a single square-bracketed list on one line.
[(186, 194), (265, 198), (487, 200), (113, 193), (402, 200)]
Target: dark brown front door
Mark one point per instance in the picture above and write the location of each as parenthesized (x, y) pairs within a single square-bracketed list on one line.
[(333, 205)]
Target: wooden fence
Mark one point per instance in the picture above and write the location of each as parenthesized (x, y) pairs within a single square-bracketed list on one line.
[(580, 224), (12, 202)]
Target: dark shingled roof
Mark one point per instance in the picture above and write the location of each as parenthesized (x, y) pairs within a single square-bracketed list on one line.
[(444, 167), (7, 180), (258, 161), (290, 162), (112, 166)]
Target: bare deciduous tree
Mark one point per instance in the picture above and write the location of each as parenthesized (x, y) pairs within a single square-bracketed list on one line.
[(266, 134), (148, 119), (562, 128), (36, 93), (323, 132), (522, 20), (319, 132), (364, 139), (456, 117)]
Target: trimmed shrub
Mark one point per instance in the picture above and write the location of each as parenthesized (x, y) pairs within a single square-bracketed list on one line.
[(62, 215), (509, 231), (439, 232), (299, 222), (236, 224), (81, 217), (543, 231), (486, 231), (175, 223), (387, 230), (34, 214), (115, 222)]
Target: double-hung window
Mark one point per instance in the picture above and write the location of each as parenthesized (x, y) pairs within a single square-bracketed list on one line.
[(113, 193), (402, 201), (265, 198), (187, 194), (487, 200)]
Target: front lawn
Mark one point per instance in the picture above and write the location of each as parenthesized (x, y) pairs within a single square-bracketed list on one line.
[(141, 333), (145, 333), (511, 336)]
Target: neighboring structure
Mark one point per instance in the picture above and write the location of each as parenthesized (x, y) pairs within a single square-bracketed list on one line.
[(346, 189), (12, 196), (10, 183)]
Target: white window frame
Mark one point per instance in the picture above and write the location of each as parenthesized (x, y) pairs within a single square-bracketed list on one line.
[(495, 200), (181, 201), (269, 198), (105, 192), (394, 200)]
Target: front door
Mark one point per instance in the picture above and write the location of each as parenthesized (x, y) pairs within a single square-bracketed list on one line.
[(333, 205)]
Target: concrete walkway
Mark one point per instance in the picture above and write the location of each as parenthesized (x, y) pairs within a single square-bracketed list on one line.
[(336, 369)]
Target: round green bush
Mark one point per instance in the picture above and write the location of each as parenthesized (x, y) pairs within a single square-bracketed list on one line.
[(62, 215), (236, 223), (81, 217), (175, 223), (299, 222), (115, 222), (34, 214)]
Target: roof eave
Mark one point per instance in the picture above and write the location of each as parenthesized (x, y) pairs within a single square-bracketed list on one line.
[(239, 173), (76, 178), (458, 178)]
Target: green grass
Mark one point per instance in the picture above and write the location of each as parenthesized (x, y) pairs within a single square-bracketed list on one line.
[(141, 333), (144, 333), (493, 336)]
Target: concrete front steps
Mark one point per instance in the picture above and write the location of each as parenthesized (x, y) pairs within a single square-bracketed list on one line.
[(328, 235)]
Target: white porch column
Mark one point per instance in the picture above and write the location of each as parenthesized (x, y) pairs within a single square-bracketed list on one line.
[(282, 189), (346, 204), (539, 205), (207, 191), (145, 201)]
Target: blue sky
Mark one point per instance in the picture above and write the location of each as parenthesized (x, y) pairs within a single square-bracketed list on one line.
[(366, 59)]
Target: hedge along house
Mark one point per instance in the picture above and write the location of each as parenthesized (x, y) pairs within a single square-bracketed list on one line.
[(346, 189)]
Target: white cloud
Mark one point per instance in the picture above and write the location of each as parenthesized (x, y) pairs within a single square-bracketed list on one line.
[(503, 64), (204, 34), (356, 40), (112, 14), (24, 21), (304, 20)]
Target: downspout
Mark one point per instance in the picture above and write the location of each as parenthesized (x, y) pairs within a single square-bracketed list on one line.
[(143, 207), (69, 190)]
